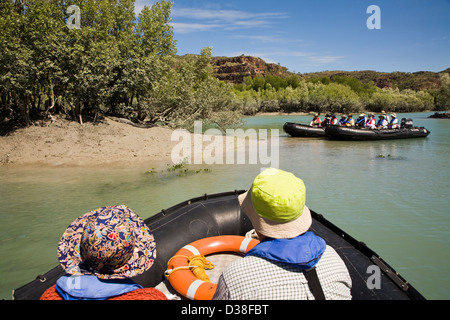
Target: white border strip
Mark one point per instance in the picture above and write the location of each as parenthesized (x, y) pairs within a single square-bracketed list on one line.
[(193, 289), (192, 249), (244, 245)]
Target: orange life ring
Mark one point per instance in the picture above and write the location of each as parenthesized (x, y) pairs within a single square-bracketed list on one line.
[(184, 281)]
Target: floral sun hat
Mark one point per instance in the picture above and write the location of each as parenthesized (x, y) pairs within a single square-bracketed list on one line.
[(110, 243)]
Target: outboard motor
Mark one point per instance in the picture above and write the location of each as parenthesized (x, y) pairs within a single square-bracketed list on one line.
[(406, 123)]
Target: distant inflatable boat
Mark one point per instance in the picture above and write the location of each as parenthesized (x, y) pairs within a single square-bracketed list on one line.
[(301, 130), (347, 133)]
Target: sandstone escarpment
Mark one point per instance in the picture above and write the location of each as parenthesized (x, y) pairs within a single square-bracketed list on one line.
[(235, 69)]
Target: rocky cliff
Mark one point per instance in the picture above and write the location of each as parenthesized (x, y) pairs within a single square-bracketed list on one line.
[(235, 69)]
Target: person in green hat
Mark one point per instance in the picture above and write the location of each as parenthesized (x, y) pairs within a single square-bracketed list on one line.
[(290, 262)]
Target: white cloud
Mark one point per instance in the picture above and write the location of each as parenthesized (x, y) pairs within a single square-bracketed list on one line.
[(322, 60), (193, 27), (207, 19), (191, 20), (266, 38), (222, 15)]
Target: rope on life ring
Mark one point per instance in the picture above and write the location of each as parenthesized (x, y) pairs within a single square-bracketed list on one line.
[(191, 259), (197, 264)]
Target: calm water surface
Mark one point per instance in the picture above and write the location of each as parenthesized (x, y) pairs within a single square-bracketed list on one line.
[(393, 195)]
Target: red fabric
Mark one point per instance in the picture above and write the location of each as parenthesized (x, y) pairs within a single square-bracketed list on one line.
[(142, 294), (51, 294), (139, 294)]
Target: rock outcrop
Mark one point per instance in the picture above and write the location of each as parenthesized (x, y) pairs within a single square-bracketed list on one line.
[(235, 69), (440, 115)]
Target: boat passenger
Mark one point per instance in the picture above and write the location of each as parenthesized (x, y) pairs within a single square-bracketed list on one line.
[(382, 122), (290, 262), (383, 113), (370, 122), (326, 121), (334, 120), (315, 121), (393, 124), (350, 122), (101, 251), (343, 120), (361, 121)]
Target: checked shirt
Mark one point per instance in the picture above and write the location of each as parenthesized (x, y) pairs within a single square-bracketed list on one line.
[(255, 278)]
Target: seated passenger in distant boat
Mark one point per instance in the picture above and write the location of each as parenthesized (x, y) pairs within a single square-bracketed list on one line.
[(334, 120), (326, 121), (315, 121), (383, 113), (371, 122), (361, 121), (343, 120), (382, 123), (394, 122), (350, 122)]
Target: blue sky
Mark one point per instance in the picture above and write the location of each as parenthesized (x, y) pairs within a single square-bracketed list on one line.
[(317, 35)]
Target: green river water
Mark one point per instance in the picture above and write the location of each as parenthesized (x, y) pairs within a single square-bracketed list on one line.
[(393, 195)]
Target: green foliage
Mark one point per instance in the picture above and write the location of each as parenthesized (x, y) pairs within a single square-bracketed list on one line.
[(323, 80), (30, 45), (269, 82), (155, 35), (443, 95), (115, 64), (362, 89), (395, 100), (340, 94), (418, 81), (333, 97), (189, 92)]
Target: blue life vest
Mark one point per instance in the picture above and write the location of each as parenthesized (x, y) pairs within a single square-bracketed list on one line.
[(302, 252), (360, 120), (88, 287)]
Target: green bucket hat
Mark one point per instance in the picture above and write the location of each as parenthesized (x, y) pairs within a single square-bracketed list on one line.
[(275, 204)]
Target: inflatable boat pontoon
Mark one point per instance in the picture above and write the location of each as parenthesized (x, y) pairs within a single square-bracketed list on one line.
[(220, 214), (406, 131), (301, 130)]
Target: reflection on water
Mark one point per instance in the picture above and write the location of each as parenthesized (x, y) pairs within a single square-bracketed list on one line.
[(393, 195)]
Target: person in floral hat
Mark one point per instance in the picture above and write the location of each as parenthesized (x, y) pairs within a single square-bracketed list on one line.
[(101, 251)]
